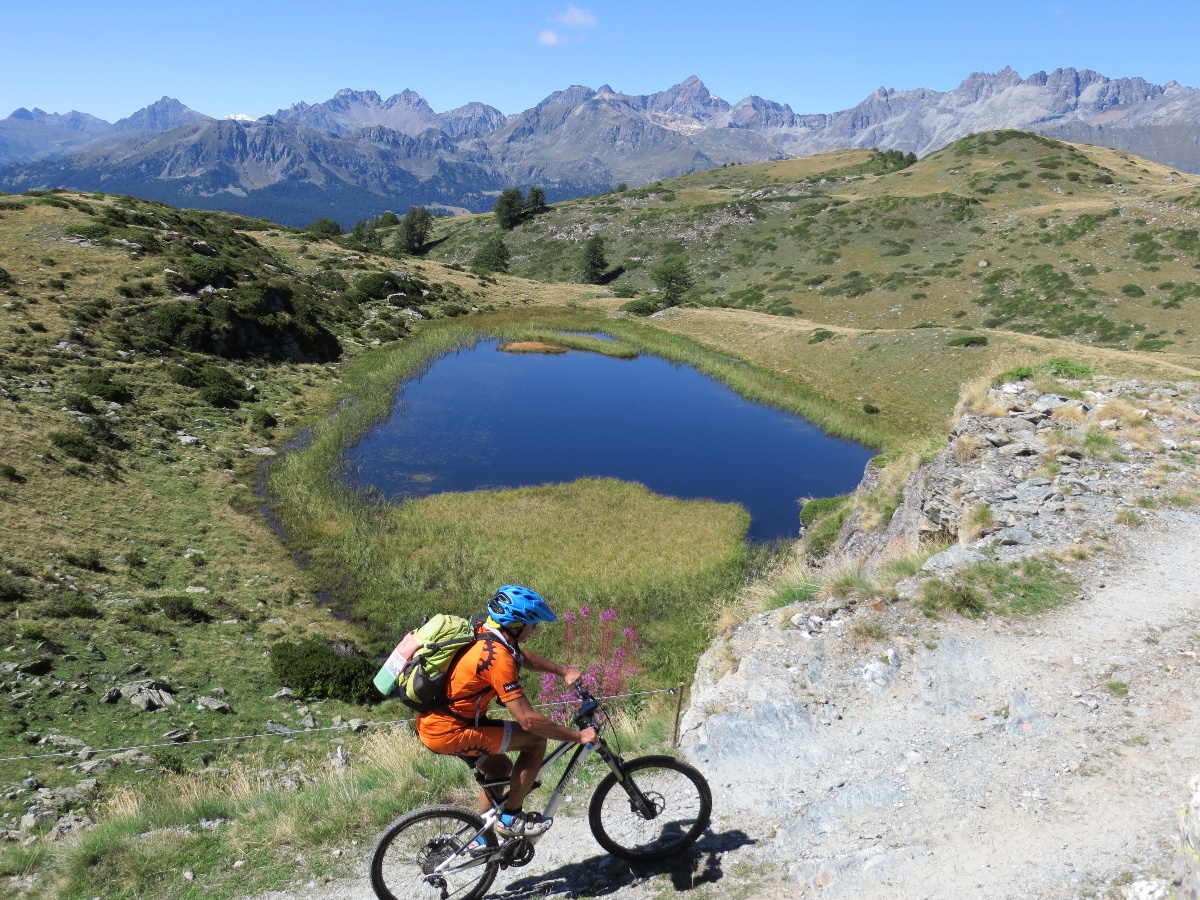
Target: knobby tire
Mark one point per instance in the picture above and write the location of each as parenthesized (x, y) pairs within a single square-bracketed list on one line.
[(416, 842), (682, 808)]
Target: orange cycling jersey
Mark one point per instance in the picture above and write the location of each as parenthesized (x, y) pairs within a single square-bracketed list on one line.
[(487, 670)]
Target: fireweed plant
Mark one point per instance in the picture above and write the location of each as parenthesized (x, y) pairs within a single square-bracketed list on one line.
[(607, 655)]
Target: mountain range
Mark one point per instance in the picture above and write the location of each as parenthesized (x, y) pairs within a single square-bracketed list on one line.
[(356, 154)]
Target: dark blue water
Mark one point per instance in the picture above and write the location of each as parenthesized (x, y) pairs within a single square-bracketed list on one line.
[(483, 418)]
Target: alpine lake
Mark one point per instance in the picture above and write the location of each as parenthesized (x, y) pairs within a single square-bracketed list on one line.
[(484, 419)]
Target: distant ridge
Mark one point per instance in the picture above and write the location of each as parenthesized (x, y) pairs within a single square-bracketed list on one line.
[(359, 153)]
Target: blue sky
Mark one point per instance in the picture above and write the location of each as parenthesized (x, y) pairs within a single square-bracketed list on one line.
[(252, 58)]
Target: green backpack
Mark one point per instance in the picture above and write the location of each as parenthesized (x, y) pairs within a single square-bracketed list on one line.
[(418, 671)]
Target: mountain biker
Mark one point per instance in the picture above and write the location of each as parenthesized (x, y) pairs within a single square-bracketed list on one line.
[(490, 670)]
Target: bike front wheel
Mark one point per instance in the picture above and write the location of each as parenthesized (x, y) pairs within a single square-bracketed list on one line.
[(660, 807), (406, 860)]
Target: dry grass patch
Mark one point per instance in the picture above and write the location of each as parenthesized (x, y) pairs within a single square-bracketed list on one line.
[(1123, 411), (1069, 416), (531, 347)]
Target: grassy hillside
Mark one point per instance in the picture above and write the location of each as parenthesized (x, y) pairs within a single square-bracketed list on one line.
[(1007, 231)]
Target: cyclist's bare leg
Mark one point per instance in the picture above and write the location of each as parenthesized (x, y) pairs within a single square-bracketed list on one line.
[(530, 751), (493, 768)]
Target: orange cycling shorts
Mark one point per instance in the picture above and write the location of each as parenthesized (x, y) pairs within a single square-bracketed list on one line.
[(453, 737)]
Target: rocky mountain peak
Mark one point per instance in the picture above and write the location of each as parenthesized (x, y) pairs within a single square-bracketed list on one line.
[(21, 113), (572, 96), (346, 95), (165, 114), (688, 98)]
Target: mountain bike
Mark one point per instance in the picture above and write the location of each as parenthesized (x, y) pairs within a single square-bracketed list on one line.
[(643, 810)]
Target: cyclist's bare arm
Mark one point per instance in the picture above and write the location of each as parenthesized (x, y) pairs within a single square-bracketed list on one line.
[(532, 661), (535, 723)]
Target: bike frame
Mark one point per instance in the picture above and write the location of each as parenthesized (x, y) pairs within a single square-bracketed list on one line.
[(493, 789)]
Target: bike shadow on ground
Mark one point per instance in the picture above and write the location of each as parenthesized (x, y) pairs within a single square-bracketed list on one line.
[(603, 874)]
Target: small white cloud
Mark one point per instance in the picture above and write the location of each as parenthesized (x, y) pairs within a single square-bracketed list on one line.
[(548, 38), (575, 17)]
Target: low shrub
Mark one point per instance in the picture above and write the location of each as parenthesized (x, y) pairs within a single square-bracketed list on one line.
[(101, 383), (181, 608), (375, 285), (313, 669), (72, 607), (821, 334), (222, 388), (870, 409), (625, 291), (89, 559), (968, 340), (77, 444), (12, 589), (93, 232), (1132, 290), (262, 419), (640, 307), (77, 402)]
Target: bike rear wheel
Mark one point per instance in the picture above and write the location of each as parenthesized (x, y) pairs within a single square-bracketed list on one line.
[(659, 808), (408, 851)]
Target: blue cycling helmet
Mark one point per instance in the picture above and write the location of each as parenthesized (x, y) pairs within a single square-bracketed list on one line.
[(516, 605)]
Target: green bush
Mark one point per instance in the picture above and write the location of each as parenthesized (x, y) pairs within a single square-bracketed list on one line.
[(101, 383), (968, 340), (222, 388), (184, 376), (375, 285), (331, 281), (77, 444), (78, 402), (89, 559), (313, 669), (262, 419), (10, 473), (12, 589), (197, 271), (1067, 368), (640, 307), (324, 227), (624, 291), (821, 334), (1132, 290), (92, 232), (72, 607), (870, 409), (181, 608), (5, 278)]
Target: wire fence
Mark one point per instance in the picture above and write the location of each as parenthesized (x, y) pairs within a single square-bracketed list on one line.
[(282, 731)]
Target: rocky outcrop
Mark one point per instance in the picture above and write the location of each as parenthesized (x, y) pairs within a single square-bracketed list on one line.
[(1026, 472)]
